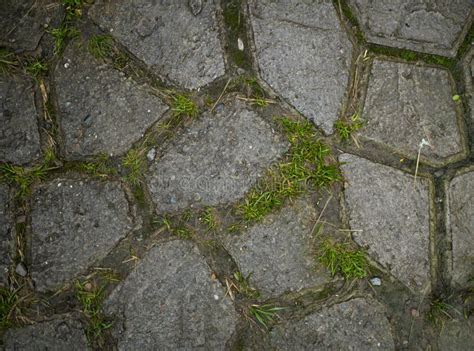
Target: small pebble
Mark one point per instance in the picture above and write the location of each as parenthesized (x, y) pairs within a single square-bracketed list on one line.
[(376, 281), (21, 270), (151, 154), (414, 312), (240, 44)]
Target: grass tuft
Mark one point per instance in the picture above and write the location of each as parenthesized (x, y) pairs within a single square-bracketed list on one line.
[(90, 299), (23, 177), (243, 286), (440, 312), (340, 258), (61, 35), (208, 217), (8, 62), (304, 166), (134, 163), (99, 167), (182, 231), (183, 106), (37, 68), (8, 301), (345, 128), (73, 9), (264, 314), (100, 46)]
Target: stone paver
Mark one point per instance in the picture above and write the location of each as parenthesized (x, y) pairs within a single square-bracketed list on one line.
[(278, 253), (457, 335), (406, 103), (429, 26), (357, 324), (24, 22), (171, 300), (62, 333), (5, 233), (101, 110), (74, 223), (19, 136), (178, 39), (393, 216), (460, 224), (304, 55), (216, 160)]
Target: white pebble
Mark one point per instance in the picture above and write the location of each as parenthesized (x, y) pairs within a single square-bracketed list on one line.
[(376, 281)]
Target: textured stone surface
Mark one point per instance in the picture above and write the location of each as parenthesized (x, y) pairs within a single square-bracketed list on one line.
[(304, 55), (393, 216), (278, 251), (457, 335), (101, 110), (24, 22), (216, 160), (54, 335), (5, 233), (431, 26), (19, 136), (357, 324), (407, 103), (178, 39), (460, 220), (171, 300), (74, 223)]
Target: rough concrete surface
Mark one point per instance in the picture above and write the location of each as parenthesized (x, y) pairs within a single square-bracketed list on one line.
[(394, 218), (407, 103), (59, 334), (304, 55), (460, 224), (278, 253), (429, 26), (358, 324), (74, 223), (178, 39), (171, 300), (101, 111), (19, 136), (24, 22), (216, 160)]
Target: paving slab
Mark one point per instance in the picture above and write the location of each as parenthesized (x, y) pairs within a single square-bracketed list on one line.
[(62, 333), (457, 335), (277, 253), (177, 39), (304, 55), (74, 223), (428, 26), (394, 218), (19, 136), (406, 103), (6, 229), (460, 224), (358, 324), (171, 300), (101, 111), (216, 160), (24, 22)]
